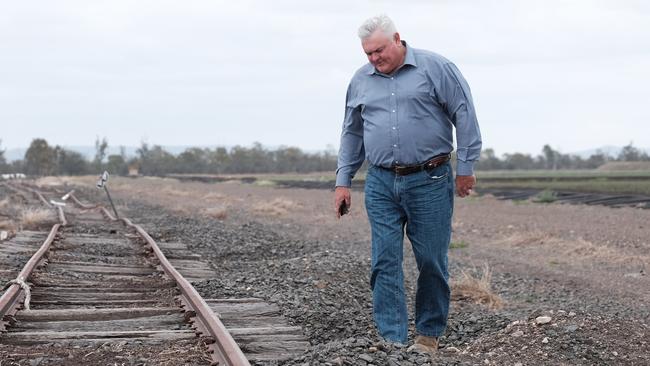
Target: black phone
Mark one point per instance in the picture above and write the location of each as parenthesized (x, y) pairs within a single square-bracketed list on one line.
[(343, 208)]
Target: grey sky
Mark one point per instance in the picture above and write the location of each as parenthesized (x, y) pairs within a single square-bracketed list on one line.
[(574, 74)]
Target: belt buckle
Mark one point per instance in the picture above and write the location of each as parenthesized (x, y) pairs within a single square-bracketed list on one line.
[(407, 169), (399, 169)]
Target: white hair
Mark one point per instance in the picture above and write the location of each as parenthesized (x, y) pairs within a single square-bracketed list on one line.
[(381, 22)]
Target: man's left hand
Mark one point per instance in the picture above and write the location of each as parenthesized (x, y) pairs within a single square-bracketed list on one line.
[(464, 184)]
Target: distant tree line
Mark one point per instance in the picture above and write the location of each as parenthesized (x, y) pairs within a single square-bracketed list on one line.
[(553, 159), (43, 159)]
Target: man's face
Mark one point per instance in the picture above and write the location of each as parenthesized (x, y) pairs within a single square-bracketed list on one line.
[(384, 53)]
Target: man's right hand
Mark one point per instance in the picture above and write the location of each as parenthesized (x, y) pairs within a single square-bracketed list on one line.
[(341, 194)]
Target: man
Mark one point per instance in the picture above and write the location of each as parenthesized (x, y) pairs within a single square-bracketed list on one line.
[(400, 111)]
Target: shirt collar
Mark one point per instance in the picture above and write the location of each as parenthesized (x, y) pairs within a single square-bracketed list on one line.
[(409, 59)]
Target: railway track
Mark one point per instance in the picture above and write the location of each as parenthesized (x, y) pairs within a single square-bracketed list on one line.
[(102, 291)]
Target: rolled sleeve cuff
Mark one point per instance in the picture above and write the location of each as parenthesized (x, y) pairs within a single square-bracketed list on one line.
[(465, 168), (343, 180)]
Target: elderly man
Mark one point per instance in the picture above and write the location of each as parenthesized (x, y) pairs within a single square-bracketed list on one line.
[(400, 112)]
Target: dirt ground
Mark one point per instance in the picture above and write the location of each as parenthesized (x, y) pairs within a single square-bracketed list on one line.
[(583, 266)]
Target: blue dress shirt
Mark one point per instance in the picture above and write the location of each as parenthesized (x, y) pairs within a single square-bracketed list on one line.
[(408, 117)]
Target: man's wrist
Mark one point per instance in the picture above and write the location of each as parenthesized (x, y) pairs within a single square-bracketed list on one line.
[(464, 167), (343, 180)]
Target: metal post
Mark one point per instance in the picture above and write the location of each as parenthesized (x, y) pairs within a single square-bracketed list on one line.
[(101, 183), (111, 201)]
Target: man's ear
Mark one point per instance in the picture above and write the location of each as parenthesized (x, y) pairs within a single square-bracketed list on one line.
[(396, 38)]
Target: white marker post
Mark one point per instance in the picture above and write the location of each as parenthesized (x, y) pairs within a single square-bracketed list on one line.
[(101, 183)]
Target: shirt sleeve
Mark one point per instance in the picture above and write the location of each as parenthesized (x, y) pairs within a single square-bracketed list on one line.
[(456, 98), (352, 152)]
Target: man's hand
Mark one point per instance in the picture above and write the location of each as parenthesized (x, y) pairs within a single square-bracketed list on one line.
[(464, 184), (341, 194)]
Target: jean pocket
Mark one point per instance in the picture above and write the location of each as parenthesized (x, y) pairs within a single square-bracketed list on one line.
[(439, 173)]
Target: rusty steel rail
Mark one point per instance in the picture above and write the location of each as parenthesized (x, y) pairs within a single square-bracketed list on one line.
[(225, 350), (10, 299), (38, 195)]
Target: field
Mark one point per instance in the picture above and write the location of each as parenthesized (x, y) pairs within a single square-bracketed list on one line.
[(510, 262), (591, 181), (598, 181)]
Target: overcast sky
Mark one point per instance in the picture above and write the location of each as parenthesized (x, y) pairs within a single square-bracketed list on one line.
[(574, 74)]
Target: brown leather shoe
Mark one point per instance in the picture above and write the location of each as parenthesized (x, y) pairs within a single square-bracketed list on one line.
[(424, 344)]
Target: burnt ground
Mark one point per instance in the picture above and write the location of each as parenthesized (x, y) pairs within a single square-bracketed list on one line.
[(583, 266)]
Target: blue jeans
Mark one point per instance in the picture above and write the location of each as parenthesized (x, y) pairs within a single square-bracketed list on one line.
[(423, 204)]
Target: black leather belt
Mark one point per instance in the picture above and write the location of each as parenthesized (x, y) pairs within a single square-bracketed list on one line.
[(427, 165)]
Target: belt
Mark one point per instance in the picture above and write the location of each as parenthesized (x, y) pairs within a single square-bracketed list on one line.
[(427, 165)]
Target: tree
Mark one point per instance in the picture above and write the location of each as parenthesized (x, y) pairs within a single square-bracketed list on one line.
[(219, 160), (631, 153), (40, 158), (518, 161), (117, 165), (4, 168), (550, 157), (489, 160), (100, 153), (70, 162), (155, 160), (193, 160)]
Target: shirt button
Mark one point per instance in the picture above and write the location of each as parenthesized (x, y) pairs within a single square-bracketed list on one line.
[(393, 111), (394, 127), (392, 93), (392, 78), (394, 145)]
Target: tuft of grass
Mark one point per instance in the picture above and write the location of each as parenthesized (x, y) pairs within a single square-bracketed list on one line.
[(35, 216), (49, 182), (172, 192), (219, 213), (458, 245), (265, 183), (476, 289), (5, 203), (7, 225), (276, 207), (213, 196), (545, 196)]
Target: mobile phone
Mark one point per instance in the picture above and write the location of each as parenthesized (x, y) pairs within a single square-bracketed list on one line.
[(343, 208)]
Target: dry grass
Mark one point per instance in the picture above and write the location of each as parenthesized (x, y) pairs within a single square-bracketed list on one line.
[(559, 250), (173, 192), (219, 213), (50, 181), (625, 166), (35, 216), (213, 196), (5, 203), (276, 207), (476, 289), (7, 225)]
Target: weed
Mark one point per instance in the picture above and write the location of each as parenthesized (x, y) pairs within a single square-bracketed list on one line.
[(458, 245), (276, 207), (545, 196), (7, 225), (265, 183), (219, 213), (476, 289), (5, 202), (35, 216)]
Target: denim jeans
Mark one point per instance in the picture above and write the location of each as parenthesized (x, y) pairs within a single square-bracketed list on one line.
[(423, 204)]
